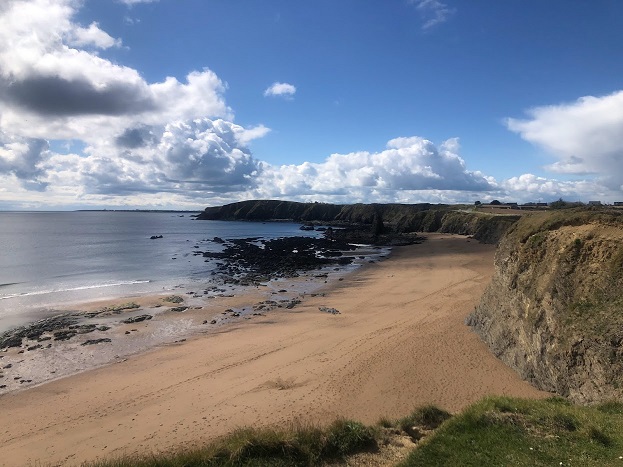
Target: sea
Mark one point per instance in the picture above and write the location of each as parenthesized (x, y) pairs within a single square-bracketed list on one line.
[(51, 260)]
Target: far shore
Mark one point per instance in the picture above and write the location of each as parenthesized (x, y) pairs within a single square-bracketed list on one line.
[(399, 341)]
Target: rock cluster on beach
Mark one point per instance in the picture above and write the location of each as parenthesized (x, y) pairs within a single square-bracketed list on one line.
[(252, 260)]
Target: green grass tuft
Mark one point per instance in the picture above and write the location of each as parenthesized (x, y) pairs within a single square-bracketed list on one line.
[(504, 431)]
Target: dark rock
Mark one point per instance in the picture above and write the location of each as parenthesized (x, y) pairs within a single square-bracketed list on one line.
[(179, 308), (137, 319), (332, 311), (6, 367), (34, 347), (103, 328), (96, 341), (64, 335), (11, 341), (154, 237), (13, 338)]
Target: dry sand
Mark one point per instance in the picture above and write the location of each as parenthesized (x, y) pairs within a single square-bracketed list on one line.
[(399, 342)]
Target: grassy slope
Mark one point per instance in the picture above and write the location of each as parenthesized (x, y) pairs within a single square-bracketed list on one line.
[(502, 431), (496, 431)]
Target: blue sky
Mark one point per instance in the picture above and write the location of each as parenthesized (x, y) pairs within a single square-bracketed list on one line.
[(168, 103)]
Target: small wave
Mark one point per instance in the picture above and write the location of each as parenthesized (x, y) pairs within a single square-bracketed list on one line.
[(72, 289), (9, 283)]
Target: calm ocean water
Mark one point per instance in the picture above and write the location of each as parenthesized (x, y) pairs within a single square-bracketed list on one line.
[(53, 259)]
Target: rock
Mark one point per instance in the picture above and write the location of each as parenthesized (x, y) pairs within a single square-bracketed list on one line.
[(173, 299), (96, 341), (332, 311), (34, 347), (64, 335), (6, 367), (103, 328), (11, 341), (137, 319), (179, 309), (155, 237)]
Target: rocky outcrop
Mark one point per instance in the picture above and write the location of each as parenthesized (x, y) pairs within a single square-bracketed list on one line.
[(377, 218), (554, 308)]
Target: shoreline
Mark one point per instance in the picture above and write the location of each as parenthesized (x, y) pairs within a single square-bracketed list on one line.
[(398, 342), (101, 325)]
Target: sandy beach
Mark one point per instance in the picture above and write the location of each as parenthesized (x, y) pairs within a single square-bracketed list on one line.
[(398, 342)]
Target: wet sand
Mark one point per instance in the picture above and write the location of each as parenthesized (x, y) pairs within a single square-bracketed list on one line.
[(398, 342)]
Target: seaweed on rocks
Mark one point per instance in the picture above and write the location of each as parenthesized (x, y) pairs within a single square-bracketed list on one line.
[(251, 261), (55, 325)]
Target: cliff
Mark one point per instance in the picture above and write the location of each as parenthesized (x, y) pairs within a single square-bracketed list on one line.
[(554, 308), (392, 218)]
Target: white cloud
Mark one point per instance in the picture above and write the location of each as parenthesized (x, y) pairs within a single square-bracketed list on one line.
[(93, 35), (433, 12), (280, 89), (173, 144), (408, 164), (586, 136), (138, 137)]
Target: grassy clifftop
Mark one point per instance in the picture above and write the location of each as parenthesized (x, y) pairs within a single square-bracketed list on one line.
[(394, 218), (495, 431)]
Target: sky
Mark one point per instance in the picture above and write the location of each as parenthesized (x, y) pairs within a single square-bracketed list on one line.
[(183, 104)]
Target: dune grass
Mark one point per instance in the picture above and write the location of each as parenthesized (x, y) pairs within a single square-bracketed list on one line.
[(297, 446)]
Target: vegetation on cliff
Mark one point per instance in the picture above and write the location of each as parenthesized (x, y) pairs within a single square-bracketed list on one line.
[(554, 309), (378, 219), (495, 431)]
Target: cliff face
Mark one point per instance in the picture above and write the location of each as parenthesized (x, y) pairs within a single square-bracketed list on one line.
[(396, 218), (554, 308)]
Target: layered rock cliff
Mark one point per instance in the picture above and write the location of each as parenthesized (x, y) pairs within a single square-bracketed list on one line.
[(395, 218), (554, 308)]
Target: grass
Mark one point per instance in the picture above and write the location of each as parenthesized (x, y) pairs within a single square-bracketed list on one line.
[(497, 431), (513, 432), (297, 446)]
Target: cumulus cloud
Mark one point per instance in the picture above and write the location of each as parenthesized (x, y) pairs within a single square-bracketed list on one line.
[(433, 12), (408, 164), (171, 137), (23, 159), (586, 136), (173, 143), (93, 35), (47, 74), (280, 89)]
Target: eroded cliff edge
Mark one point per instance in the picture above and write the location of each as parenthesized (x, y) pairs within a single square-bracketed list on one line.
[(554, 308)]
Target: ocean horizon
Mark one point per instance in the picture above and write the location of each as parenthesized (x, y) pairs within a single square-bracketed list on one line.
[(53, 260)]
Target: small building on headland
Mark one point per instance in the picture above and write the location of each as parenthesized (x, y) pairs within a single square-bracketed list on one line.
[(594, 203)]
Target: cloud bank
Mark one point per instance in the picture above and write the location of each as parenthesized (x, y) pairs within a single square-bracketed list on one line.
[(174, 143), (585, 136)]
